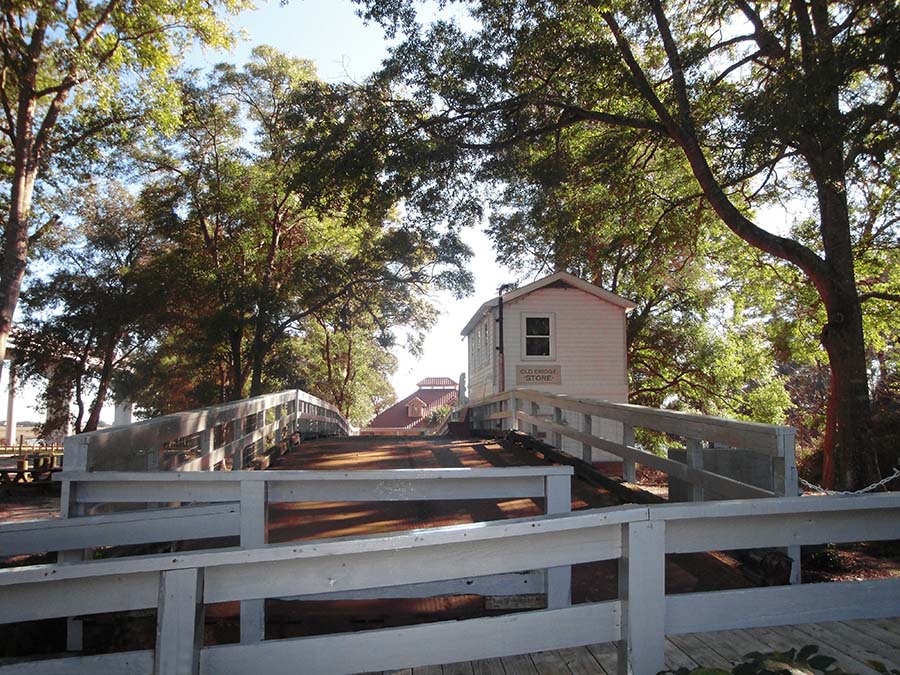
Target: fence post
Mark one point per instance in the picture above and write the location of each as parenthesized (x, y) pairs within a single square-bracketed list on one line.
[(694, 460), (513, 411), (557, 436), (179, 623), (558, 499), (254, 533), (75, 456), (261, 442), (587, 426), (629, 470), (642, 592), (207, 444), (237, 451), (785, 483), (535, 411), (279, 430)]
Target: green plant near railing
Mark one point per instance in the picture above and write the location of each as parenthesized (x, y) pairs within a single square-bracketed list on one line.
[(806, 661)]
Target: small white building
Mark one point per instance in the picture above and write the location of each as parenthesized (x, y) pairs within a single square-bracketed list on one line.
[(561, 334)]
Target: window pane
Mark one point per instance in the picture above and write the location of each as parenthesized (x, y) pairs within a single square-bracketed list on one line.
[(537, 325), (537, 346)]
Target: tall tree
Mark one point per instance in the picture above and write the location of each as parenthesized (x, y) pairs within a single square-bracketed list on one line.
[(102, 303), (71, 73), (772, 99), (270, 234)]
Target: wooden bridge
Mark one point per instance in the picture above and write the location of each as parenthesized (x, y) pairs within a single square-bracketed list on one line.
[(499, 524)]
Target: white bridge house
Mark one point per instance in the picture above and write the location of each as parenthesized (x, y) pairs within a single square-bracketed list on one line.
[(559, 334)]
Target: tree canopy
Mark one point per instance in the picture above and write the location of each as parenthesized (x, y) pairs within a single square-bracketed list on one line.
[(74, 78), (766, 102)]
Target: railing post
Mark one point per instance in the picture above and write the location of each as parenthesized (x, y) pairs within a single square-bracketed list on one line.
[(694, 460), (587, 427), (74, 459), (261, 442), (629, 470), (207, 444), (179, 623), (557, 436), (237, 452), (535, 411), (254, 533), (642, 592), (558, 499), (513, 411), (279, 431), (785, 483)]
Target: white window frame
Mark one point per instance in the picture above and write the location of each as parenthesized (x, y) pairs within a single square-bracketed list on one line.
[(539, 315)]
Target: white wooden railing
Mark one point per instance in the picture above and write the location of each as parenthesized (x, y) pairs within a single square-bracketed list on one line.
[(178, 585), (236, 503), (574, 418), (237, 431)]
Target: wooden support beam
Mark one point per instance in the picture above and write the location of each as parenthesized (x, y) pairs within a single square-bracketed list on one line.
[(254, 533), (559, 579), (179, 623), (642, 593), (587, 428), (694, 460)]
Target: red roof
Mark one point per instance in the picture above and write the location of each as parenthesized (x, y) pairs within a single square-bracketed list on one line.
[(397, 416), (441, 382)]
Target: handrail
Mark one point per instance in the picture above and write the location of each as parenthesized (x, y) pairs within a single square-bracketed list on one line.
[(179, 584), (136, 446), (774, 441)]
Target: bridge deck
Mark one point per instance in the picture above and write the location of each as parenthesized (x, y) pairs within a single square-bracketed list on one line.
[(854, 644)]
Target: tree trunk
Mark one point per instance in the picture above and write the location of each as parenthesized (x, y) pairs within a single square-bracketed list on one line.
[(842, 337), (237, 368), (106, 373), (15, 250), (828, 441)]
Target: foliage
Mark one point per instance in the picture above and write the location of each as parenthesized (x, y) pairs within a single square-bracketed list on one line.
[(76, 80), (764, 102), (280, 254), (806, 661), (437, 415), (102, 303)]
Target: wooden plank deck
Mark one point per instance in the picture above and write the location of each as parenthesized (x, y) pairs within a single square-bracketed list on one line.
[(855, 644)]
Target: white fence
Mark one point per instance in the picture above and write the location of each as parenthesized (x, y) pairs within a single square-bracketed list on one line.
[(237, 431), (179, 585), (574, 418), (236, 503)]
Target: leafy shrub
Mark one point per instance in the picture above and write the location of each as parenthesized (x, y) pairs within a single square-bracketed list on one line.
[(805, 662)]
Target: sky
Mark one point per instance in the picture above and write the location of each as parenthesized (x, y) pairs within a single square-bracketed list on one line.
[(344, 49)]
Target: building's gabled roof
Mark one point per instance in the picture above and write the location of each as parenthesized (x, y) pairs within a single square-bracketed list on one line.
[(557, 279), (440, 382), (397, 416)]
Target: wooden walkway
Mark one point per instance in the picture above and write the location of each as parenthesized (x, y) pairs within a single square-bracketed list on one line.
[(854, 644)]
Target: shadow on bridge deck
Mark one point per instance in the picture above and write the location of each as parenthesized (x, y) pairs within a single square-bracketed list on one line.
[(593, 582)]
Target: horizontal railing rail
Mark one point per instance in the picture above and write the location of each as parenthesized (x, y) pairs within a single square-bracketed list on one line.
[(178, 585), (776, 442)]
